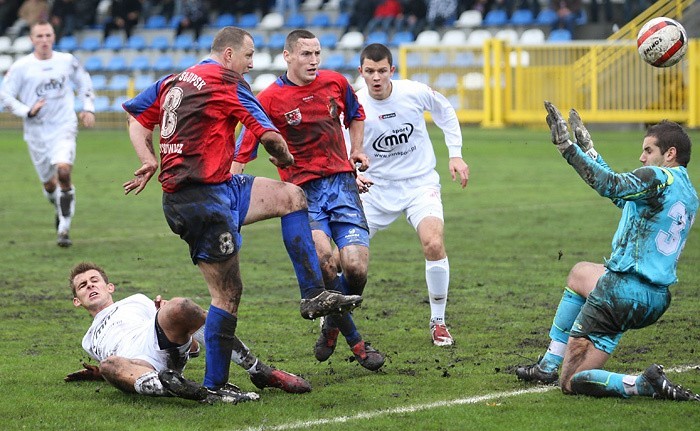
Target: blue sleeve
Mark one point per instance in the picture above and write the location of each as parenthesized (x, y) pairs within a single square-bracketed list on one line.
[(144, 99), (253, 106), (353, 109)]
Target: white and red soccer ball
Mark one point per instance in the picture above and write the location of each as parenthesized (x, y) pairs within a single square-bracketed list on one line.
[(662, 42)]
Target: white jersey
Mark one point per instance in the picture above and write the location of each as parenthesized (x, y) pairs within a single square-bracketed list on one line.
[(125, 328), (55, 80), (396, 138)]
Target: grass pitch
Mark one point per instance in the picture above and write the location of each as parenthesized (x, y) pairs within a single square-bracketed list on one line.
[(512, 236)]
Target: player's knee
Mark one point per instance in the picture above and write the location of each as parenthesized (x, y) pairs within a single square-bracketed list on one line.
[(434, 249), (297, 198), (186, 310), (356, 275)]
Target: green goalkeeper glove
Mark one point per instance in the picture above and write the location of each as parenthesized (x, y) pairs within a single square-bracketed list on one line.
[(583, 138), (558, 127)]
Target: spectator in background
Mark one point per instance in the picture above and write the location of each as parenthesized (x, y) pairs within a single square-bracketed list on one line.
[(287, 7), (32, 12), (386, 14), (607, 10), (63, 17), (362, 11), (413, 19), (8, 14), (194, 17), (441, 12), (164, 8), (86, 13), (125, 15), (569, 12)]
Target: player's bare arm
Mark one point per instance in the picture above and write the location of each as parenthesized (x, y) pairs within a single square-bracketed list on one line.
[(276, 146), (142, 140), (34, 110), (357, 153), (459, 167)]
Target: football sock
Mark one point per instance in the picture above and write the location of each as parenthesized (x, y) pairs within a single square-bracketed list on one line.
[(66, 208), (347, 327), (296, 235), (437, 277), (52, 196), (240, 354), (569, 307), (219, 330), (149, 384), (601, 383), (640, 384)]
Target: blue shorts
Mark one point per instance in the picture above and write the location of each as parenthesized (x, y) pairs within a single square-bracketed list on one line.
[(209, 217), (335, 208), (618, 303)]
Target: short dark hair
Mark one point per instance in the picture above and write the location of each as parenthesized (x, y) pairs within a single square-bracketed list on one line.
[(376, 52), (229, 37), (83, 267), (294, 36), (669, 134)]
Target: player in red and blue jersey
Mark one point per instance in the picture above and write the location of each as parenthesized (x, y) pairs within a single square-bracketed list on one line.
[(197, 111), (309, 107)]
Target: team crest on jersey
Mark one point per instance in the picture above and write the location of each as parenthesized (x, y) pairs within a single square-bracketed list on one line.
[(333, 108), (293, 117)]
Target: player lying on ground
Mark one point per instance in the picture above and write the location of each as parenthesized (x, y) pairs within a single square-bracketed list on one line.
[(630, 291), (143, 346)]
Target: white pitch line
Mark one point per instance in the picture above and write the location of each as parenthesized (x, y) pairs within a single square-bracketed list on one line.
[(419, 407)]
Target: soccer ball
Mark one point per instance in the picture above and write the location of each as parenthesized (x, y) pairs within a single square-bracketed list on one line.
[(662, 42)]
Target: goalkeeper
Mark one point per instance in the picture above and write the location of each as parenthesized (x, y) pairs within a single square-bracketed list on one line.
[(143, 346), (629, 291)]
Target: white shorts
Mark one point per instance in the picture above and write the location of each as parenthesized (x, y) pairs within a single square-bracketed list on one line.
[(417, 198), (143, 344), (48, 152)]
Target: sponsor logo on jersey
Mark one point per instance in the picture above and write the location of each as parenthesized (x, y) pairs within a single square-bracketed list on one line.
[(387, 116), (389, 140), (51, 88), (293, 117)]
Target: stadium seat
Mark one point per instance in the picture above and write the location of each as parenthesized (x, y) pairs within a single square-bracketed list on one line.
[(258, 40), (118, 83), (478, 37), (421, 77), (335, 61), (377, 37), (469, 19), (353, 62), (522, 18), (156, 22), (248, 21), (66, 44), (414, 59), (22, 45), (99, 82), (437, 60), (262, 60), (519, 58), (175, 21), (5, 62), (272, 21), (186, 61), (464, 59), (454, 37), (263, 81), (93, 64), (295, 21), (446, 81), (342, 20), (205, 40), (116, 63), (276, 41), (116, 105), (102, 104), (141, 82), (495, 18), (546, 17), (225, 20), (351, 40), (164, 64), (532, 36), (559, 35), (278, 63), (160, 42), (428, 37), (114, 42), (328, 40), (140, 63), (473, 81), (321, 19), (184, 42), (507, 34), (5, 43), (90, 43), (136, 42), (401, 37)]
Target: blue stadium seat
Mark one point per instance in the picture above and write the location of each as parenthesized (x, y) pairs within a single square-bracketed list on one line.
[(116, 105), (247, 21), (224, 20), (186, 61), (353, 62), (401, 37), (342, 20), (335, 61), (90, 43), (464, 59), (160, 42), (546, 17), (137, 42), (295, 21), (93, 64), (140, 63), (175, 21), (377, 37), (116, 63), (446, 81), (495, 18), (164, 64), (258, 40), (437, 60), (320, 20), (141, 82), (114, 42), (276, 41), (522, 17), (156, 22), (67, 44), (184, 42), (328, 40), (99, 82), (559, 35), (118, 82), (204, 41), (421, 77), (102, 104), (413, 59)]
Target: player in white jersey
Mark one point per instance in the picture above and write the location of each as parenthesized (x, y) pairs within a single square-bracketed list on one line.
[(40, 88), (402, 167), (143, 346)]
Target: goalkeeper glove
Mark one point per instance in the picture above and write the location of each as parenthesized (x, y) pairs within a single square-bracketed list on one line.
[(558, 127), (583, 138)]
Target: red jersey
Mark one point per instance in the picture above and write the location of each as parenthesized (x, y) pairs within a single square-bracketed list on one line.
[(309, 119), (197, 111)]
